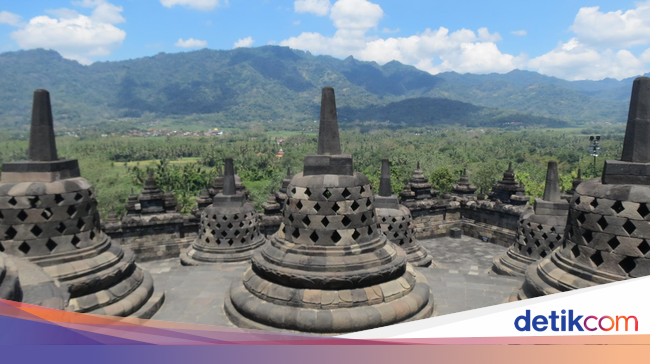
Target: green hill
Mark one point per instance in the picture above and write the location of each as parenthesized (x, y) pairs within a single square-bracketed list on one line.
[(272, 82)]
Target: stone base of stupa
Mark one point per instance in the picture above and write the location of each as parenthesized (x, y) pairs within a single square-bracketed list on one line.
[(511, 263)]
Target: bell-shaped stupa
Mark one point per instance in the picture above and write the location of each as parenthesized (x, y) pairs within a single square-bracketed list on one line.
[(50, 217), (396, 221), (540, 229), (607, 234), (463, 188), (329, 269), (229, 228)]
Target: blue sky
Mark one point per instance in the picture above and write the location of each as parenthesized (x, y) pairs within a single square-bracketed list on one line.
[(569, 39)]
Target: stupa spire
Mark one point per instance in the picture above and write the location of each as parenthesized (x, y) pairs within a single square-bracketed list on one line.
[(384, 181), (328, 131), (229, 178), (42, 146), (636, 146), (552, 188)]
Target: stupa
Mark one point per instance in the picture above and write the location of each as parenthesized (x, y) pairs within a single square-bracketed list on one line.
[(607, 233), (540, 229), (23, 281), (281, 195), (50, 217), (229, 228), (396, 221), (418, 188), (508, 187), (329, 269), (463, 188)]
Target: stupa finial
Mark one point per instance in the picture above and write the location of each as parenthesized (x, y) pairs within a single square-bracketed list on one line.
[(636, 146), (42, 145), (229, 178), (552, 188), (328, 131), (385, 188)]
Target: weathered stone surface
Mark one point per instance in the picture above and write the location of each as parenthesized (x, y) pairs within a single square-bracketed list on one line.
[(55, 224), (508, 191), (463, 188), (329, 241)]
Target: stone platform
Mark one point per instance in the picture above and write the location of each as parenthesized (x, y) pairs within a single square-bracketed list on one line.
[(459, 282)]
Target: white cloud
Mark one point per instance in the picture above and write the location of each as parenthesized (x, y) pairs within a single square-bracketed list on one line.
[(191, 43), (194, 4), (297, 22), (433, 51), (10, 18), (645, 56), (520, 33), (317, 7), (615, 29), (386, 30), (245, 42), (575, 61), (75, 36)]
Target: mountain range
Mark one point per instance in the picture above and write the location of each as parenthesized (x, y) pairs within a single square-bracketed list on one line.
[(272, 82)]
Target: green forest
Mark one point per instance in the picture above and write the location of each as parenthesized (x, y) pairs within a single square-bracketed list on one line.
[(186, 165)]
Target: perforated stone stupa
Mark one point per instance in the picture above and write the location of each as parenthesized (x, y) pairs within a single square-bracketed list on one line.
[(23, 281), (229, 228), (396, 221), (49, 216), (329, 269), (607, 235), (540, 229)]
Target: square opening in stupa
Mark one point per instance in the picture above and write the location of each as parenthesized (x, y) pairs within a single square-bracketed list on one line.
[(326, 253)]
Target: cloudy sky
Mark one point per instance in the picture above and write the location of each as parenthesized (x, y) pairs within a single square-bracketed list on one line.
[(570, 39)]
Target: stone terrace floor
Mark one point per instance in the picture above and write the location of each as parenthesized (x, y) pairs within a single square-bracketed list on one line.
[(460, 281)]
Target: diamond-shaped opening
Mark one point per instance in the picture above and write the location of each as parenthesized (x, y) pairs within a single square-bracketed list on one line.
[(47, 213), (613, 243), (521, 221), (296, 233), (363, 218), (291, 217), (540, 227), (218, 241), (236, 217), (24, 247), (224, 233), (345, 193), (325, 221), (299, 205), (241, 224), (618, 207), (537, 244), (22, 215), (78, 196), (306, 220), (529, 251), (317, 207), (644, 247), (368, 202), (327, 194), (12, 201), (558, 237), (396, 234), (346, 221), (212, 232), (369, 230), (313, 237), (230, 225), (243, 240), (80, 224), (362, 190), (75, 240), (231, 242), (602, 222), (629, 227), (577, 201), (354, 206), (551, 245), (214, 217), (576, 251), (588, 236), (597, 258), (528, 224), (542, 254), (92, 235), (224, 218), (60, 228), (390, 227), (582, 218), (218, 226), (336, 207), (336, 237), (71, 211), (553, 229), (307, 192), (643, 210), (293, 190), (58, 199), (544, 236), (51, 244), (526, 240), (34, 201), (10, 233), (207, 240), (594, 203), (37, 231), (237, 232), (628, 264), (355, 235)]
